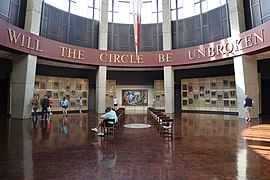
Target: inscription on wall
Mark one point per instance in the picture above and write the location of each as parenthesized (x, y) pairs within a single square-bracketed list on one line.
[(248, 42)]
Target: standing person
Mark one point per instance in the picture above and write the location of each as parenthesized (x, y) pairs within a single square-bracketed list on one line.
[(248, 104), (35, 105), (115, 103), (64, 104), (45, 105), (80, 104), (49, 110), (51, 102)]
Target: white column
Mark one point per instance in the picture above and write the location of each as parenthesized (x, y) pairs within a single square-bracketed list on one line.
[(245, 67), (24, 67), (101, 89), (23, 78), (166, 25), (33, 15), (167, 45), (169, 89), (246, 79), (237, 17), (103, 25), (102, 70)]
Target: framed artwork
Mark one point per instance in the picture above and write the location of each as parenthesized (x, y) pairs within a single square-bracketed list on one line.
[(184, 102), (201, 94), (226, 103), (55, 95), (226, 95), (84, 102), (42, 85), (84, 94), (232, 84), (213, 85), (184, 94), (233, 93), (225, 83), (36, 84), (201, 88), (184, 87), (135, 97), (55, 85), (190, 88), (49, 93)]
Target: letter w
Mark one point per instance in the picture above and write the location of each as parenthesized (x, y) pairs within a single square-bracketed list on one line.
[(13, 36)]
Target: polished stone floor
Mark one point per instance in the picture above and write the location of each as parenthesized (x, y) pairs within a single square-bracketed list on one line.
[(203, 147)]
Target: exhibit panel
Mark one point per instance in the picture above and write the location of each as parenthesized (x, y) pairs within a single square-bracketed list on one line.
[(110, 92), (209, 94), (58, 87), (159, 96)]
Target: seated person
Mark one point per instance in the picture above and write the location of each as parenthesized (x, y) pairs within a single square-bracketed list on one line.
[(109, 114)]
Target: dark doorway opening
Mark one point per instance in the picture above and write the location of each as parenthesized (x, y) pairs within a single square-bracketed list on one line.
[(3, 96), (265, 96)]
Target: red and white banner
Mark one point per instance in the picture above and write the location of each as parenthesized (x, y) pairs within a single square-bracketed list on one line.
[(137, 6)]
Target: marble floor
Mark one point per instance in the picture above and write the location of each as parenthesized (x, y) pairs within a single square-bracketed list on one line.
[(203, 147)]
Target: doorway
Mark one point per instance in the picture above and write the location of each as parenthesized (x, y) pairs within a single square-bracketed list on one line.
[(3, 96), (265, 96)]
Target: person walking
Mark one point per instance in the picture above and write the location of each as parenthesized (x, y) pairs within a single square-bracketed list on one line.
[(248, 105), (64, 104), (35, 105), (45, 105), (115, 103), (80, 104)]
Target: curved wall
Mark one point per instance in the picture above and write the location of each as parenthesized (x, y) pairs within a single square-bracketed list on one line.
[(68, 28), (121, 37), (13, 11), (201, 29), (256, 12)]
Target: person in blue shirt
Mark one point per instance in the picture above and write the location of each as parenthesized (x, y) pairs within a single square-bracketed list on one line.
[(109, 115), (64, 104), (248, 104)]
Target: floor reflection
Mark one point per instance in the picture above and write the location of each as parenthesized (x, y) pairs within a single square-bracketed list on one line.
[(202, 147)]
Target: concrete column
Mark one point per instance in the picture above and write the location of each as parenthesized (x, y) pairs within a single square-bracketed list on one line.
[(23, 79), (24, 67), (237, 17), (103, 25), (166, 25), (33, 14), (167, 45), (101, 89), (245, 67), (246, 79), (102, 45), (169, 89)]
